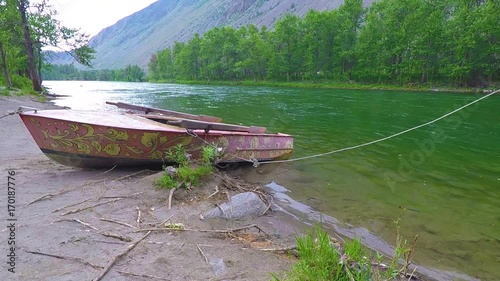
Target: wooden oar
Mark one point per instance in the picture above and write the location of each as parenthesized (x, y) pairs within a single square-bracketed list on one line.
[(202, 125), (166, 112)]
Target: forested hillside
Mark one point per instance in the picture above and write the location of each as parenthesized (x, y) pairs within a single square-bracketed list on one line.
[(133, 39), (393, 41)]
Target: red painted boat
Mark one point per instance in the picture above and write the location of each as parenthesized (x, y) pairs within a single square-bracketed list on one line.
[(101, 139)]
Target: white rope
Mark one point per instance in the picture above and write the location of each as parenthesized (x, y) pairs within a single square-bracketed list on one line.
[(385, 138), (19, 110), (8, 113)]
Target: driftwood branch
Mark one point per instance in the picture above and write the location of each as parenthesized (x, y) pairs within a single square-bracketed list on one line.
[(141, 275), (71, 205), (78, 221), (123, 196), (79, 260), (118, 222), (290, 249), (107, 234), (138, 217), (89, 182), (285, 249), (96, 199), (203, 230), (122, 254), (109, 242), (215, 192), (116, 236), (203, 254), (131, 175), (88, 207), (165, 221), (84, 262), (171, 194), (52, 195)]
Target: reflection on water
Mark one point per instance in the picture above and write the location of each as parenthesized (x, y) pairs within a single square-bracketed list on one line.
[(446, 176)]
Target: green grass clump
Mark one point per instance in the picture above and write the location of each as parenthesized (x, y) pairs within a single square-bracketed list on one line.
[(166, 182), (322, 258), (188, 172), (193, 176)]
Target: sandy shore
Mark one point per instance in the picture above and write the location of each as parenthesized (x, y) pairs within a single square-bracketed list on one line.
[(53, 245), (80, 252)]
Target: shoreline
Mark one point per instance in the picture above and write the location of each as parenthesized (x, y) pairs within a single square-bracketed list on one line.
[(283, 222), (60, 211), (298, 85), (336, 86)]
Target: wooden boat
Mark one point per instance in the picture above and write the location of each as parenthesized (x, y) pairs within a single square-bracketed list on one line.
[(103, 139)]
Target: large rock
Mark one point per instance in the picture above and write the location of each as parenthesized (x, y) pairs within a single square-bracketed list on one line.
[(242, 205)]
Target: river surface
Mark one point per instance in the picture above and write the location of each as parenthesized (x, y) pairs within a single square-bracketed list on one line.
[(446, 176)]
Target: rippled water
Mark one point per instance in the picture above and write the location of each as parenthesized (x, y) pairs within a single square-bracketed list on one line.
[(446, 176)]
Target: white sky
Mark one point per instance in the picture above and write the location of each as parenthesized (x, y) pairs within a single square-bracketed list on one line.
[(91, 16)]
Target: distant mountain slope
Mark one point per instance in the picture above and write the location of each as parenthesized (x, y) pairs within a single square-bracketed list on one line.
[(133, 39)]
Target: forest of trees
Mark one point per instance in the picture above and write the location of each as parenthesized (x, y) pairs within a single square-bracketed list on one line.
[(26, 28), (455, 42), (131, 73)]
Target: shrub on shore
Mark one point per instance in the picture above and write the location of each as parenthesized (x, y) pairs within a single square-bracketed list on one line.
[(188, 172)]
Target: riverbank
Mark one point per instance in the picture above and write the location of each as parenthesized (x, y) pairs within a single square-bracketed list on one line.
[(329, 85), (51, 244), (40, 176)]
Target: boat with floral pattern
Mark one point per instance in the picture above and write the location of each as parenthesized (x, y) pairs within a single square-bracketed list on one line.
[(103, 139)]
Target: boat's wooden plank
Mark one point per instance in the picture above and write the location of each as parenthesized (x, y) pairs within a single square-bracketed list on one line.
[(101, 118), (201, 125), (166, 112), (207, 126)]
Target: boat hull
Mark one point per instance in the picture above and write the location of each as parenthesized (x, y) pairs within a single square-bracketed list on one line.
[(84, 141)]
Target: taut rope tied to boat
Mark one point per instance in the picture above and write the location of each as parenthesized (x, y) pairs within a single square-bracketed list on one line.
[(256, 163), (384, 138), (19, 110)]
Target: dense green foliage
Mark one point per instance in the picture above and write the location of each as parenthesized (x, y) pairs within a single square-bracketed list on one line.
[(189, 171), (403, 42), (323, 258), (26, 28), (131, 73)]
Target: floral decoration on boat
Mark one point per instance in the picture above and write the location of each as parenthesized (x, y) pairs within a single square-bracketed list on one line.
[(88, 140)]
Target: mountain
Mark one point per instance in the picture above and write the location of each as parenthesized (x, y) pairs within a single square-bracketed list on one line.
[(133, 39)]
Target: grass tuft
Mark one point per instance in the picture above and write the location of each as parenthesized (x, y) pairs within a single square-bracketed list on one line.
[(189, 172), (322, 258)]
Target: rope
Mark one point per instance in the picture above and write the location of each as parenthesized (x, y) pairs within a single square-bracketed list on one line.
[(19, 110), (385, 138), (8, 113)]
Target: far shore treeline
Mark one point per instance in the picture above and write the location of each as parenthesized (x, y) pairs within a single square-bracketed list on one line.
[(402, 42), (131, 73)]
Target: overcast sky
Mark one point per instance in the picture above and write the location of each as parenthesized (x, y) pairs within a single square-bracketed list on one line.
[(91, 16)]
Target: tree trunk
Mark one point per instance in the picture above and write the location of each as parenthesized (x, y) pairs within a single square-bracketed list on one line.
[(37, 86), (4, 66), (40, 62)]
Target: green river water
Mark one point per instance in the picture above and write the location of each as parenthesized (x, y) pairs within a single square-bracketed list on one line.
[(446, 175)]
